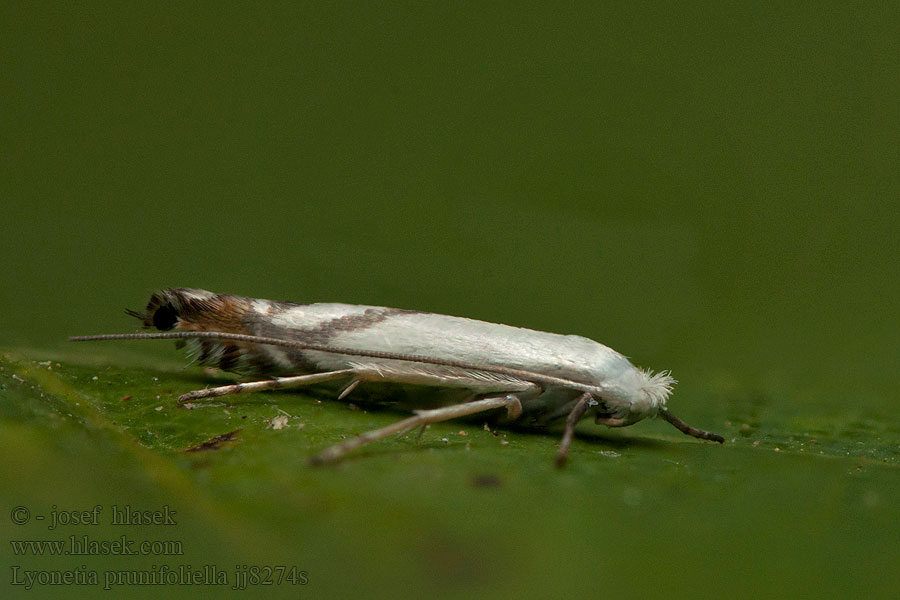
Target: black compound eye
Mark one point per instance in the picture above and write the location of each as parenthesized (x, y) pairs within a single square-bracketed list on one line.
[(165, 318)]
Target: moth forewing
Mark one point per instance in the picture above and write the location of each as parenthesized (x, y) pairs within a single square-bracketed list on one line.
[(538, 377)]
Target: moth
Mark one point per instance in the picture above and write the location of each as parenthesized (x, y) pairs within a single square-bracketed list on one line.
[(467, 367)]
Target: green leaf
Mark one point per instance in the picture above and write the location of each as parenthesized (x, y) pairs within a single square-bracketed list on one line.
[(640, 511)]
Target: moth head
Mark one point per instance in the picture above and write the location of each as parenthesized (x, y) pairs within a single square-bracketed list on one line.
[(636, 394), (656, 387)]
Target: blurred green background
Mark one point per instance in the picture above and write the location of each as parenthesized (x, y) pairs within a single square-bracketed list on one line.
[(706, 187)]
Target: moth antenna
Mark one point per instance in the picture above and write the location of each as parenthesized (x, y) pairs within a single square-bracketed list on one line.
[(691, 431), (135, 336), (257, 339)]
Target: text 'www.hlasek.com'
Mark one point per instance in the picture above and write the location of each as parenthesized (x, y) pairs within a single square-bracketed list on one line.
[(166, 564)]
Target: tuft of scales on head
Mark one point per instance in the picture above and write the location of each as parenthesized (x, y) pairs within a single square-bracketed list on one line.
[(658, 386), (632, 394)]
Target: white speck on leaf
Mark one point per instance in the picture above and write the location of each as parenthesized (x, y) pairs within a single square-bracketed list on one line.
[(278, 422)]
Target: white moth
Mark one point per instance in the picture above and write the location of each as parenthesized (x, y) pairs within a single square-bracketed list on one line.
[(535, 377)]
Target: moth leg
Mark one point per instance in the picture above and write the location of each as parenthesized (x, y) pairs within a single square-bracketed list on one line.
[(266, 384), (421, 419), (690, 430), (349, 388), (584, 401), (610, 421)]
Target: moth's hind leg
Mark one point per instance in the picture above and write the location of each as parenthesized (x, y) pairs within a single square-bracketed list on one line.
[(266, 384), (421, 419)]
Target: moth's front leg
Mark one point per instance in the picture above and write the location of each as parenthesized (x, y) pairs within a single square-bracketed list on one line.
[(581, 406)]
